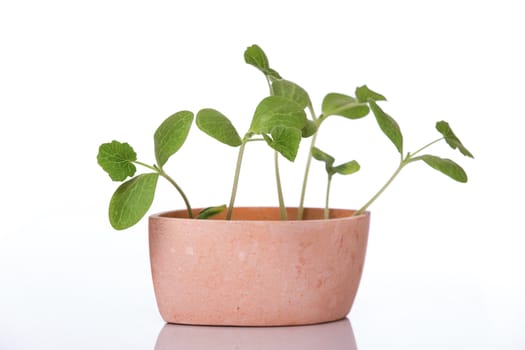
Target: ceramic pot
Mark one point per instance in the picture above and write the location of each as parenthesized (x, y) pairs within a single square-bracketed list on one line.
[(256, 270)]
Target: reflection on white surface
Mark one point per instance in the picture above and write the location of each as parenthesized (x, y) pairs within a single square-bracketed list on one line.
[(334, 336)]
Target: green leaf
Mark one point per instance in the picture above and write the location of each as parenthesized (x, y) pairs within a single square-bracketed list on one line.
[(171, 134), (277, 111), (344, 106), (309, 128), (285, 140), (131, 200), (291, 90), (389, 126), (256, 57), (364, 94), (347, 168), (446, 166), (451, 138), (207, 213), (218, 126), (324, 157), (116, 159)]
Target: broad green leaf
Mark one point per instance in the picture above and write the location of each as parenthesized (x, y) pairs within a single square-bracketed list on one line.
[(171, 134), (131, 200), (285, 140), (256, 57), (309, 128), (451, 138), (324, 157), (389, 126), (446, 166), (207, 213), (347, 168), (277, 111), (218, 126), (343, 105), (116, 159), (364, 94), (292, 91)]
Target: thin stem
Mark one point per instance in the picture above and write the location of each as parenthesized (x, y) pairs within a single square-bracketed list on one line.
[(327, 205), (236, 180), (365, 207), (426, 146), (162, 173), (154, 168), (255, 140), (300, 209), (188, 206), (312, 112), (282, 208)]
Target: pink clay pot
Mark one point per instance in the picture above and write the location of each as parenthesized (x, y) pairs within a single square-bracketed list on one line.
[(256, 270)]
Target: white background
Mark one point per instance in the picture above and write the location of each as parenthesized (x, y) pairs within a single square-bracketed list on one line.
[(445, 265)]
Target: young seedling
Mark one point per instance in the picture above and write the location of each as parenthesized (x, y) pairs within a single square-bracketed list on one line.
[(343, 169), (280, 120), (277, 120), (446, 166), (133, 198)]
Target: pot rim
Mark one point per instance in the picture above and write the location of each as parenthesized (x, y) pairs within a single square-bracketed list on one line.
[(343, 214)]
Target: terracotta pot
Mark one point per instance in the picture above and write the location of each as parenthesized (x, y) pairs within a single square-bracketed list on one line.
[(256, 270)]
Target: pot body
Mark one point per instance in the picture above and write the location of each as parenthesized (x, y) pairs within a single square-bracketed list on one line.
[(256, 270)]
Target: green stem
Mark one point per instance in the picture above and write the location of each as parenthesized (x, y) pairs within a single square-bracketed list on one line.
[(282, 207), (327, 205), (269, 84), (236, 179), (398, 170), (162, 173), (426, 146), (300, 209), (188, 206)]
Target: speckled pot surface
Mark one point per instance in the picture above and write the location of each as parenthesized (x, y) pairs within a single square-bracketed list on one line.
[(256, 270)]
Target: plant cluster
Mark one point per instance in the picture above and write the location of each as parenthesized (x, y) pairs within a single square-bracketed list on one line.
[(282, 120)]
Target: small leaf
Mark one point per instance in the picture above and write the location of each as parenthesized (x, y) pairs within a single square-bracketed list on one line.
[(389, 126), (116, 159), (291, 90), (364, 94), (451, 138), (218, 126), (171, 134), (277, 111), (255, 56), (343, 105), (131, 200), (347, 168), (207, 213), (324, 157), (309, 128), (446, 166), (285, 140)]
